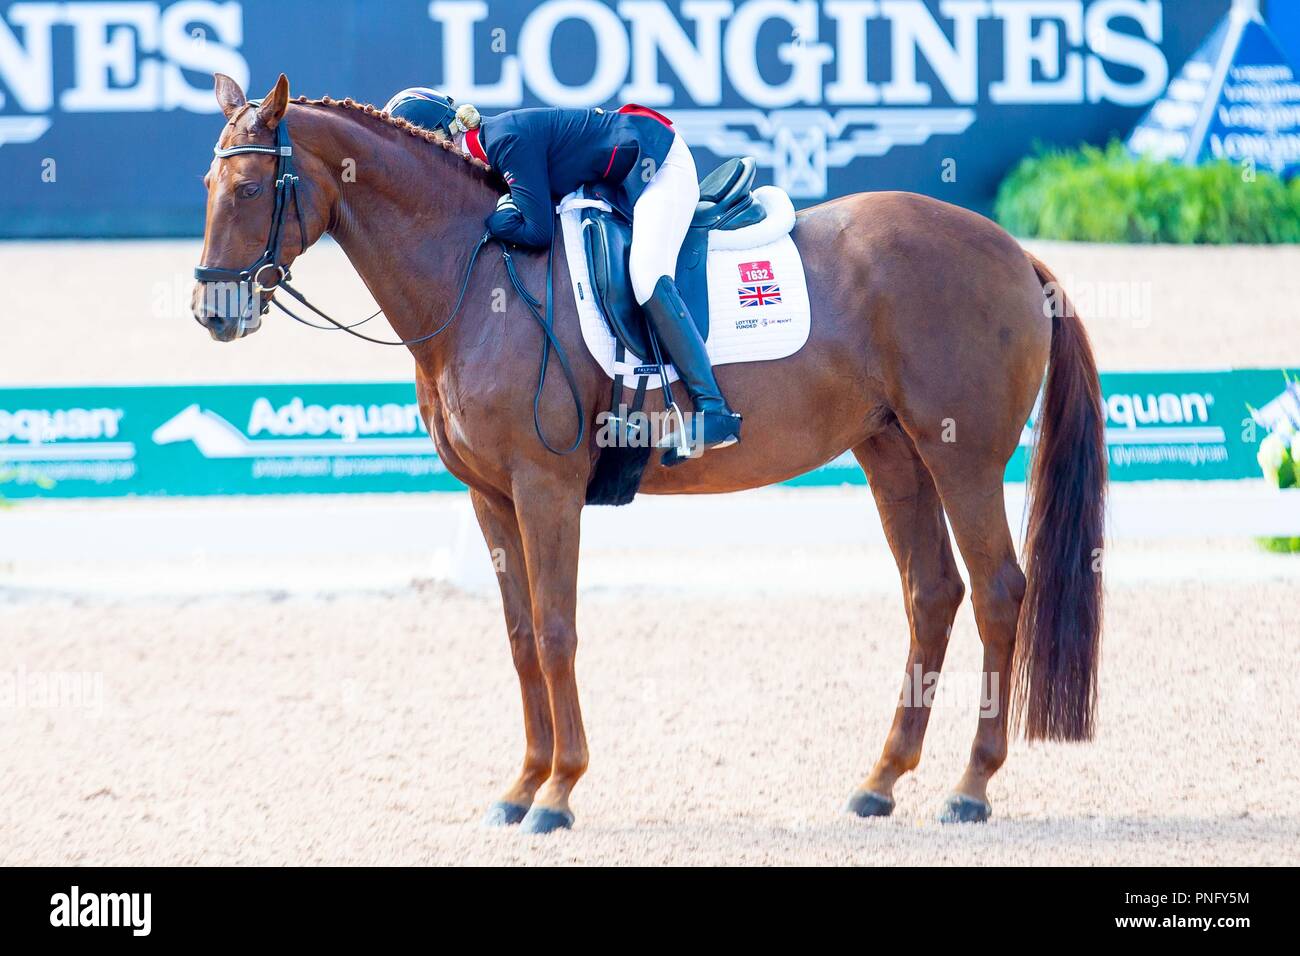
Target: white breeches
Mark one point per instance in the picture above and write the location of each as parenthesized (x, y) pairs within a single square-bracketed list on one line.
[(660, 219)]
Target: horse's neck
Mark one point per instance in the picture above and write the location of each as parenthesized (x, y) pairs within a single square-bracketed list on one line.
[(410, 233)]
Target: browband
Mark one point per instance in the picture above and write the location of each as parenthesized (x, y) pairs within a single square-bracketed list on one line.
[(252, 148)]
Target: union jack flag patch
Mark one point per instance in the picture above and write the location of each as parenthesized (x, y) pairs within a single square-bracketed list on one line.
[(752, 295), (759, 286)]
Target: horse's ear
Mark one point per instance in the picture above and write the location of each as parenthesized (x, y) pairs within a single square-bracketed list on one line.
[(276, 102), (229, 96)]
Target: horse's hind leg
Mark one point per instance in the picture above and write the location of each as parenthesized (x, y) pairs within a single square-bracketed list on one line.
[(977, 511), (932, 590), (496, 515)]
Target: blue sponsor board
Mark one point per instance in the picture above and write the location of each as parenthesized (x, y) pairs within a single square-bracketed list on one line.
[(318, 438), (107, 119), (1237, 98), (1284, 20)]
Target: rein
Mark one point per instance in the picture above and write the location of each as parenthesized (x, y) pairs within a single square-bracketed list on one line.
[(286, 196)]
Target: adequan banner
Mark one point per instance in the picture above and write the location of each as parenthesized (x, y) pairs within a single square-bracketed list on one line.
[(212, 440), (1160, 426), (348, 438)]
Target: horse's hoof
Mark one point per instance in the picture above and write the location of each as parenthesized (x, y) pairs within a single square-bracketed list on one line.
[(503, 814), (542, 820), (867, 804), (962, 809)]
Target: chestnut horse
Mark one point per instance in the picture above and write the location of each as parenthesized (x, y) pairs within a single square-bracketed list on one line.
[(931, 332)]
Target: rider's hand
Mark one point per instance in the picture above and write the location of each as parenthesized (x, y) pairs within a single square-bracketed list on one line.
[(506, 213), (509, 223)]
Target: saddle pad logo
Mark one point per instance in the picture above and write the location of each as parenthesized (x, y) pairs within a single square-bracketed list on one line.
[(758, 284)]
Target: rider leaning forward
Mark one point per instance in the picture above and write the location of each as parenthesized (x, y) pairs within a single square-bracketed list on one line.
[(634, 159)]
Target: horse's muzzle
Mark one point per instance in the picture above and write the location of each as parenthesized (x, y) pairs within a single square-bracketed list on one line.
[(228, 310)]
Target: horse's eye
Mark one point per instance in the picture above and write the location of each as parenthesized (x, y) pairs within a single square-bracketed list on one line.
[(249, 190)]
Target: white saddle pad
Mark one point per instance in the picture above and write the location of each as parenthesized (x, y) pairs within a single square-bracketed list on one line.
[(758, 297)]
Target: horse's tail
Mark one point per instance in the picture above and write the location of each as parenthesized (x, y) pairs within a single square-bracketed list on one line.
[(1059, 640)]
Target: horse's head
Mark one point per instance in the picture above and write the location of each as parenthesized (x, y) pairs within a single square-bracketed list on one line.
[(259, 218)]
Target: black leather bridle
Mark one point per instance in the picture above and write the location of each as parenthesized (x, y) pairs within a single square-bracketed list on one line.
[(249, 280), (286, 197)]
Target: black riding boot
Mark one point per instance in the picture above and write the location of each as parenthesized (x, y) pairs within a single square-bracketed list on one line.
[(716, 425)]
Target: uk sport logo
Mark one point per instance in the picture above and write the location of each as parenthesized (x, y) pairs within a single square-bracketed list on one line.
[(758, 284)]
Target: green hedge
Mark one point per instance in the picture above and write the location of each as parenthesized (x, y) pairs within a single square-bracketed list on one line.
[(1281, 545), (1105, 195)]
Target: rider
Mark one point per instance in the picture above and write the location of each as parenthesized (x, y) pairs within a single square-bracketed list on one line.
[(635, 160)]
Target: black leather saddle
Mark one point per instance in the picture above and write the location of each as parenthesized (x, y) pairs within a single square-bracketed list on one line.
[(726, 203)]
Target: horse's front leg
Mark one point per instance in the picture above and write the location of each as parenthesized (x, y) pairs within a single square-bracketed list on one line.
[(549, 509), (496, 516)]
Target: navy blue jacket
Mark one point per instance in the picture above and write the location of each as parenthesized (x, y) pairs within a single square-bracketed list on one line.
[(545, 154)]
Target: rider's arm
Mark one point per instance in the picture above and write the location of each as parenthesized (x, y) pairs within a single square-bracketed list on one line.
[(526, 219)]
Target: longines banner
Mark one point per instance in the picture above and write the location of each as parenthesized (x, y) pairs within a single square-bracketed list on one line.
[(308, 438), (107, 118)]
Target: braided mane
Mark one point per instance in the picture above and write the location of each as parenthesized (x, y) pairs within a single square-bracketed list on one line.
[(396, 122)]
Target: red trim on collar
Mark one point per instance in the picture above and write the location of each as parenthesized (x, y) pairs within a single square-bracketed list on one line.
[(474, 146), (636, 109)]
